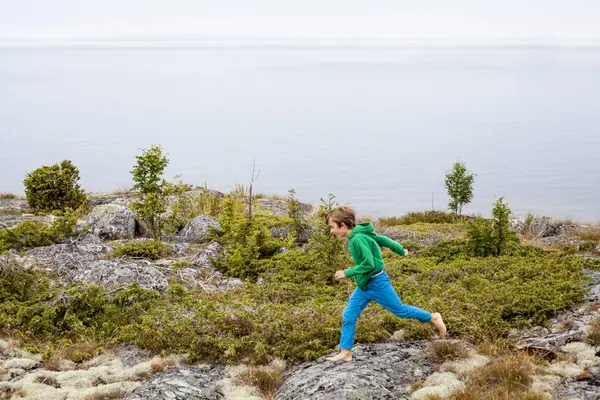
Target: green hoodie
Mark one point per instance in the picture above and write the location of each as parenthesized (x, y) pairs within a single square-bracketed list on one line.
[(364, 245)]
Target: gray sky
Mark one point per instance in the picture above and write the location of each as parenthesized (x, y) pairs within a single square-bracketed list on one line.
[(396, 19)]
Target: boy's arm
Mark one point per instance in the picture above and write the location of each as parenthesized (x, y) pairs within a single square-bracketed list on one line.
[(364, 254), (390, 244)]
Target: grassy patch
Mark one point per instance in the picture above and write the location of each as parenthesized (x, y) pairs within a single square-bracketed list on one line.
[(431, 217), (150, 249), (7, 196), (266, 380), (508, 378), (594, 333), (442, 351)]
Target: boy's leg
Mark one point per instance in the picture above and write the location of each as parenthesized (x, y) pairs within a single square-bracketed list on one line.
[(358, 301), (383, 293)]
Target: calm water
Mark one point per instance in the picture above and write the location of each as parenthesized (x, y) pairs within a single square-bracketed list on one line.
[(376, 126)]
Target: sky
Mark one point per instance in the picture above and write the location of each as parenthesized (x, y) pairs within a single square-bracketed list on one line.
[(304, 19)]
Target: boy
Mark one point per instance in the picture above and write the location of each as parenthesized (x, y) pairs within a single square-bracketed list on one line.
[(372, 282)]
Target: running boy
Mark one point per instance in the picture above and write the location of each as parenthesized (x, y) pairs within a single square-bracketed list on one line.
[(372, 282)]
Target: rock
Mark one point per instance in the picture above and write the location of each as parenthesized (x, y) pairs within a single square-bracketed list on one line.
[(10, 221), (111, 221), (405, 235), (379, 371), (202, 258), (207, 279), (196, 230), (16, 204), (281, 232), (545, 227), (110, 198), (441, 384), (180, 383), (115, 273), (20, 363), (280, 206), (398, 336), (65, 258)]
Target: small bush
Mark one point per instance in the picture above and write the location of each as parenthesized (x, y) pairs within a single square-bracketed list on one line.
[(29, 234), (265, 379), (430, 217), (7, 196), (54, 187), (594, 332), (443, 351), (510, 378), (492, 237), (150, 249)]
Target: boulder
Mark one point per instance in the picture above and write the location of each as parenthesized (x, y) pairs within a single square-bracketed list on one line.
[(116, 273), (181, 383), (111, 221), (197, 229), (378, 371)]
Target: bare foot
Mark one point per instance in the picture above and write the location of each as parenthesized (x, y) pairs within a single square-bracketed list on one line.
[(436, 320), (345, 355)]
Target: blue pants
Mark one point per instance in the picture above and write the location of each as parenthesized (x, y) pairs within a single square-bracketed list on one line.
[(379, 289)]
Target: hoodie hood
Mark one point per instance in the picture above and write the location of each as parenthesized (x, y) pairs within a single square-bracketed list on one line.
[(366, 228)]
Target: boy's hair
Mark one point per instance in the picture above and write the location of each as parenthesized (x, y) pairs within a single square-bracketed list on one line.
[(342, 214)]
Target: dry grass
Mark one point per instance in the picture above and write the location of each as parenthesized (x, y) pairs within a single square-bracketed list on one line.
[(497, 348), (159, 366), (508, 378), (113, 394), (594, 332), (266, 380), (47, 380), (19, 393), (78, 352), (442, 351), (7, 196), (590, 234)]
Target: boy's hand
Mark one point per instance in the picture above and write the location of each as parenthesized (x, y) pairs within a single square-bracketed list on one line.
[(339, 274)]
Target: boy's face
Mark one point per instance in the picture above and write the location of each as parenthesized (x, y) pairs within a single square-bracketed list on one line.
[(338, 230)]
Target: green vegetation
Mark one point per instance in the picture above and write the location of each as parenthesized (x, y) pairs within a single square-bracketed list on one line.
[(29, 234), (54, 187), (151, 249), (492, 237), (187, 207), (151, 189), (429, 217), (459, 183)]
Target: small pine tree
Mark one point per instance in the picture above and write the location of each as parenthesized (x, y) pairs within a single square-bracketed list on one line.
[(459, 183), (492, 237), (325, 249), (151, 188)]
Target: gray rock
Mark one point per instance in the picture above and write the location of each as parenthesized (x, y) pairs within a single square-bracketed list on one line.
[(280, 206), (10, 221), (281, 232), (116, 273), (65, 258), (17, 204), (111, 221), (99, 200), (378, 371), (545, 227), (584, 388), (196, 230), (202, 258), (405, 235), (181, 383)]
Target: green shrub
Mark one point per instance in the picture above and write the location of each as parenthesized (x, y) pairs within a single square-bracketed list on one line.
[(151, 189), (31, 234), (431, 217), (151, 249), (54, 187), (492, 237)]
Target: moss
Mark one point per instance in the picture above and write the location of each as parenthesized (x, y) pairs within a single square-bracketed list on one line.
[(151, 249)]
